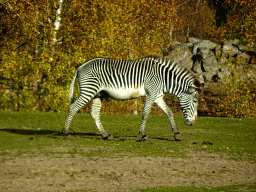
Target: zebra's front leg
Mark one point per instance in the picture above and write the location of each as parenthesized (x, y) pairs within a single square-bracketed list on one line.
[(146, 111), (95, 113), (161, 103)]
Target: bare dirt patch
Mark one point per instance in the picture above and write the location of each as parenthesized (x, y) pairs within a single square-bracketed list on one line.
[(44, 173)]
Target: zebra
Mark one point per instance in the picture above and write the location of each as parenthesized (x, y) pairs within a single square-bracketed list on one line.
[(149, 77)]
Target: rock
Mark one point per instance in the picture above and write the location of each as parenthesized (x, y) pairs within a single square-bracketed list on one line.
[(122, 139), (210, 61), (182, 55), (204, 44), (242, 58), (207, 143), (228, 48), (224, 72), (193, 40), (247, 48), (69, 137), (211, 67)]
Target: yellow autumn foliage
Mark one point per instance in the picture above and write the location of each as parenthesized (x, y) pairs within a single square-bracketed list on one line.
[(35, 72)]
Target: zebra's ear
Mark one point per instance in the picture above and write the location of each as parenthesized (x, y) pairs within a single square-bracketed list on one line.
[(191, 89)]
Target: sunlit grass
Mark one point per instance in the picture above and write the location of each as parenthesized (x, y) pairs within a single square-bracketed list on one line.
[(32, 133)]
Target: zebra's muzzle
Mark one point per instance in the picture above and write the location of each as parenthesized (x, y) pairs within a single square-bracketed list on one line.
[(189, 123)]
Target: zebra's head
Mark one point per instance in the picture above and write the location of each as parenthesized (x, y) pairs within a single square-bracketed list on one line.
[(188, 103)]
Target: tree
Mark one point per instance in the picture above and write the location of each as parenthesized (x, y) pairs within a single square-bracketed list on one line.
[(238, 20), (43, 42)]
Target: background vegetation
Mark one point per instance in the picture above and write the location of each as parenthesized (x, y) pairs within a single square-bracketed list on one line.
[(43, 42)]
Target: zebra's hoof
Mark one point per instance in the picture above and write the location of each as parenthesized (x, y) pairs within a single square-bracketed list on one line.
[(65, 131), (177, 137), (109, 137), (144, 139)]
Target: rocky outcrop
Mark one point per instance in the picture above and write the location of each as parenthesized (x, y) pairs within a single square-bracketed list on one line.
[(211, 61)]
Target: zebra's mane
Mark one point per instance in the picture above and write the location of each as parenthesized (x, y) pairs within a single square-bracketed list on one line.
[(169, 62)]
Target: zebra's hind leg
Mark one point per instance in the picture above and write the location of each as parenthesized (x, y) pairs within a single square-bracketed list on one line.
[(95, 113), (161, 103), (73, 108)]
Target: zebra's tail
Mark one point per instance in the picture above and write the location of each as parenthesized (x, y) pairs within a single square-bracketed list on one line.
[(71, 89)]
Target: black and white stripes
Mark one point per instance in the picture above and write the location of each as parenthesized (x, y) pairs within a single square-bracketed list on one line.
[(150, 77)]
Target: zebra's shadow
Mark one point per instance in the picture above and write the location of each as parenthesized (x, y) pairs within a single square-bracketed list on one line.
[(165, 139), (56, 134), (45, 132)]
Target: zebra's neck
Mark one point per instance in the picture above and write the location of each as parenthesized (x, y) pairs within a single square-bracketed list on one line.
[(175, 78)]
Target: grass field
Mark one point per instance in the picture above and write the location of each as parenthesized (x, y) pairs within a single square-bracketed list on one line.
[(30, 134)]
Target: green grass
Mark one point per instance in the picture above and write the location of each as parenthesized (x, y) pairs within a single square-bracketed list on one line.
[(36, 133)]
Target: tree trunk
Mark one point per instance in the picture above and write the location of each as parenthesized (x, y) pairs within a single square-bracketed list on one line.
[(57, 22)]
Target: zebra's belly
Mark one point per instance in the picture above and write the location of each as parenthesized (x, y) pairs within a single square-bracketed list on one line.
[(124, 94)]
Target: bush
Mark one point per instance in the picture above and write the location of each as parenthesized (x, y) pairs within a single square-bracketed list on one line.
[(238, 96)]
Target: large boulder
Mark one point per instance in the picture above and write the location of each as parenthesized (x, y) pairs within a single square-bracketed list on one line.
[(202, 44)]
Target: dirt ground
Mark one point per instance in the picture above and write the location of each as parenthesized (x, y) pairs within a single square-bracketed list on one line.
[(49, 173)]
